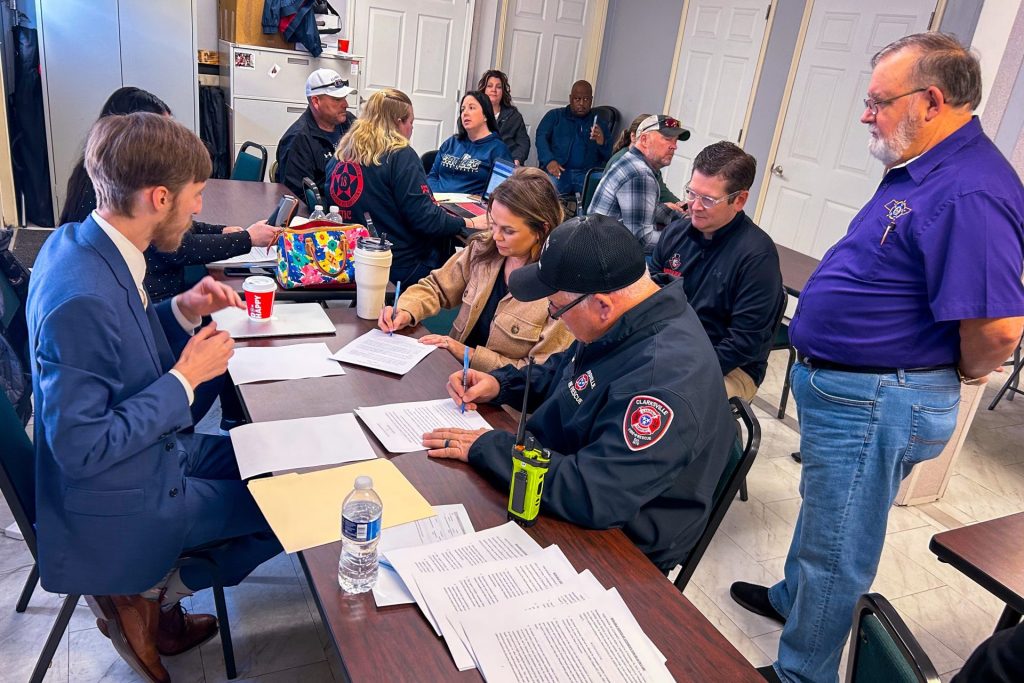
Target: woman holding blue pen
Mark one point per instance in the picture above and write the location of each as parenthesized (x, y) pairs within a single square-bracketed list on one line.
[(492, 329)]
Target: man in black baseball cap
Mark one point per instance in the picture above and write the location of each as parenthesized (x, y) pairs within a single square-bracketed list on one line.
[(634, 413)]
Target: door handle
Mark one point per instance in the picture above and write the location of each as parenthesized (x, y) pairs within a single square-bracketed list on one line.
[(777, 170)]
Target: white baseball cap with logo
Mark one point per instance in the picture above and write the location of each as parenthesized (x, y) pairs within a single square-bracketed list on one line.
[(328, 82)]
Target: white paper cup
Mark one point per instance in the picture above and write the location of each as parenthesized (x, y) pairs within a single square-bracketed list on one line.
[(259, 297), (373, 268)]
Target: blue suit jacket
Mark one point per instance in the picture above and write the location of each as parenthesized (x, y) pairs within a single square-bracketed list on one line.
[(110, 492)]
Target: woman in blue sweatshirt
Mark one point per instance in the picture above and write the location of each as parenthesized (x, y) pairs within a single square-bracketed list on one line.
[(375, 172), (464, 162)]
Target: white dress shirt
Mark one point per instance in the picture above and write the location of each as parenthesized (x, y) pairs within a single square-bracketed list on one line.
[(136, 263)]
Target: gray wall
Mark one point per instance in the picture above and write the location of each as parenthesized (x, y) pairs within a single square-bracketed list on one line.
[(636, 59)]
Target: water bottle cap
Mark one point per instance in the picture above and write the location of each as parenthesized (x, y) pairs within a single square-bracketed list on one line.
[(364, 482), (318, 207), (335, 209)]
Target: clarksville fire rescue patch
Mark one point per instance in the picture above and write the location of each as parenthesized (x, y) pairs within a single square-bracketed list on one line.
[(647, 420), (581, 384)]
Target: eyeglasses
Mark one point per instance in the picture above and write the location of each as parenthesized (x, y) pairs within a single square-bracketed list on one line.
[(660, 125), (873, 105), (559, 312), (336, 83), (706, 201)]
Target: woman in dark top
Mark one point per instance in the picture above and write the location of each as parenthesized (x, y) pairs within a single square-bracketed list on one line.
[(511, 127), (376, 172), (204, 243)]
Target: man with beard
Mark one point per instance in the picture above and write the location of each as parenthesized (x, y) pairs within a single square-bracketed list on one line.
[(122, 489), (924, 292)]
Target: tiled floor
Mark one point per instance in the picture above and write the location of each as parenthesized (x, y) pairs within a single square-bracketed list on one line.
[(278, 636)]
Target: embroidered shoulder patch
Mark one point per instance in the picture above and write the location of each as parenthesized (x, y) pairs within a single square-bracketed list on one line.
[(647, 419)]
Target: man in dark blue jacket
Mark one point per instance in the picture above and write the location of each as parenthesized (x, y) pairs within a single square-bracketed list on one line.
[(571, 140), (634, 413)]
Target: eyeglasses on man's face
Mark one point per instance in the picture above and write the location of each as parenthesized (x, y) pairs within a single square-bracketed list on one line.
[(873, 105), (706, 201), (559, 312)]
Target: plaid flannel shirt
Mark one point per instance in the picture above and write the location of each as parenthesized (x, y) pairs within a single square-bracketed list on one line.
[(629, 191)]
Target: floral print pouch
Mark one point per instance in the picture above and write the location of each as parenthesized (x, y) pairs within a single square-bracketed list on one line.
[(318, 255)]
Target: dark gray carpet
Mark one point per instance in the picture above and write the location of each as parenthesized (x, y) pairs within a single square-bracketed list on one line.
[(28, 242)]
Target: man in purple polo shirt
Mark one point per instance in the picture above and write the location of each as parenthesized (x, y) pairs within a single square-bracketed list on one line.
[(923, 292)]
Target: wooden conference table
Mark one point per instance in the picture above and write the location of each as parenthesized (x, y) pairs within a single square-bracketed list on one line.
[(992, 555), (396, 643)]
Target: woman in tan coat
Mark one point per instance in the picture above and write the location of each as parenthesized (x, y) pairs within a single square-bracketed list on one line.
[(497, 329)]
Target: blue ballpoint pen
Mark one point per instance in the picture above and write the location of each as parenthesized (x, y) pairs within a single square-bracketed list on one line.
[(394, 309), (465, 375)]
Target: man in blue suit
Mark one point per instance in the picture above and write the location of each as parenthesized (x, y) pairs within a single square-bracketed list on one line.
[(121, 489)]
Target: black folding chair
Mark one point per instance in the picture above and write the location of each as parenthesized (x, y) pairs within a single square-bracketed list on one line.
[(741, 457), (882, 648), (1012, 383), (17, 483)]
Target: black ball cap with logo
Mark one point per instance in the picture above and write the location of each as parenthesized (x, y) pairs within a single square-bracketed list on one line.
[(584, 255)]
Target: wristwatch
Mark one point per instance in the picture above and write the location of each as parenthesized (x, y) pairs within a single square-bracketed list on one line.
[(969, 381)]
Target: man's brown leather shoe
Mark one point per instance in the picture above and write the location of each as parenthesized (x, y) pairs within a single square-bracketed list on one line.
[(180, 632), (131, 625)]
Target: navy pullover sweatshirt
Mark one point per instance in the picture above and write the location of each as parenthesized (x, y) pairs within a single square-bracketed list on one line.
[(462, 165)]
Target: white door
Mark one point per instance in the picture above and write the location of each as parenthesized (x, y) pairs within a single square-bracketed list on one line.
[(714, 79), (822, 172), (547, 46), (421, 49)]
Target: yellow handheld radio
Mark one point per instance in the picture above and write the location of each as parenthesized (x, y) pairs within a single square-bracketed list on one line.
[(529, 465)]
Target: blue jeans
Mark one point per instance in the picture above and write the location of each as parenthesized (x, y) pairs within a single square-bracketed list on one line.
[(860, 435)]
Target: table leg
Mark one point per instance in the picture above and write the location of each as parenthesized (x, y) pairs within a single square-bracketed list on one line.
[(1008, 619)]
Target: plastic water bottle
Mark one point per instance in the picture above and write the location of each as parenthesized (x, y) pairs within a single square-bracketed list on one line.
[(318, 213), (335, 216), (360, 533)]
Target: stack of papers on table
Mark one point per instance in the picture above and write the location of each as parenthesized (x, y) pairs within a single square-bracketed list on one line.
[(401, 426), (394, 353), (258, 256), (298, 361), (289, 320), (513, 610)]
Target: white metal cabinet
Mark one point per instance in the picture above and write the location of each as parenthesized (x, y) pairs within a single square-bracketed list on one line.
[(90, 49)]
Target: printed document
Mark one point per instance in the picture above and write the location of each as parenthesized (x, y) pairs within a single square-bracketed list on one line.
[(395, 353), (258, 256), (576, 643), (491, 584), (451, 521), (401, 426), (263, 363), (420, 564), (262, 447)]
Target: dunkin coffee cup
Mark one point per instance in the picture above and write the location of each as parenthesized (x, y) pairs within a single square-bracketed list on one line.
[(259, 297), (372, 258)]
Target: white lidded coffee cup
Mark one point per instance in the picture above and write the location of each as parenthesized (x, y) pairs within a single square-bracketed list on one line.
[(372, 258)]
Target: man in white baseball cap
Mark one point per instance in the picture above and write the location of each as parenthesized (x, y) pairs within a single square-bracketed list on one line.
[(310, 142)]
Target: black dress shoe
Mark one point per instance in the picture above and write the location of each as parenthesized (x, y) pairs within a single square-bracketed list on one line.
[(768, 673), (754, 598)]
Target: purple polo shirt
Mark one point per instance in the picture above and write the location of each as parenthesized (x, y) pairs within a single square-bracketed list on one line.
[(955, 251)]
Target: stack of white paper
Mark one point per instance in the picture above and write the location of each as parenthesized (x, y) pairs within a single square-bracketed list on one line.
[(263, 363), (512, 610), (395, 353), (401, 426), (257, 256)]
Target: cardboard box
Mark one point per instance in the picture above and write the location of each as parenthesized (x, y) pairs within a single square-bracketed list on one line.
[(241, 22)]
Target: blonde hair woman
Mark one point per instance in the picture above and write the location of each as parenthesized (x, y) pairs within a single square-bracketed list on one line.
[(376, 172), (497, 329)]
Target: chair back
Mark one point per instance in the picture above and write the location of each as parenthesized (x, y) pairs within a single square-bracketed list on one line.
[(17, 472), (590, 183), (14, 279), (882, 648), (610, 115), (741, 457), (780, 340), (428, 160), (250, 165), (273, 172)]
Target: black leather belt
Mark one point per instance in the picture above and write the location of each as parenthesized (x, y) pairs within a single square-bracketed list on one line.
[(866, 369)]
